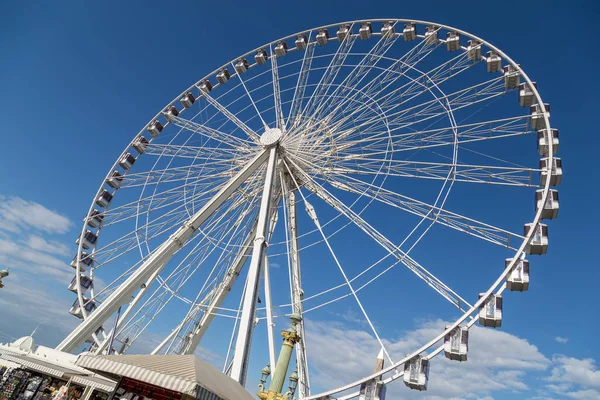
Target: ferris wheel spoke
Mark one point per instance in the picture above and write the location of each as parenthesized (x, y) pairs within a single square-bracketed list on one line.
[(328, 77), (155, 202), (439, 106), (385, 243), (250, 97), (195, 152), (483, 174), (439, 215), (182, 274), (359, 72), (279, 121), (216, 168), (296, 105), (313, 216), (379, 142), (232, 118), (424, 81), (214, 134), (212, 225)]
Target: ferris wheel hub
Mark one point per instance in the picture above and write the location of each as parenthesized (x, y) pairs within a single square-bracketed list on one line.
[(270, 137)]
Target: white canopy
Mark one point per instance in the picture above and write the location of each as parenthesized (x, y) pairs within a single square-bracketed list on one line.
[(42, 366), (95, 382), (183, 374)]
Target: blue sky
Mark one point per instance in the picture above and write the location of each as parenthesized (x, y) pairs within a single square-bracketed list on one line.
[(77, 81)]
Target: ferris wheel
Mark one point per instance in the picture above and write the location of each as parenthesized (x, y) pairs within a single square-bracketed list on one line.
[(342, 150)]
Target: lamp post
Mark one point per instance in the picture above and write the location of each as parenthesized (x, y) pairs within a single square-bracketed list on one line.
[(290, 338)]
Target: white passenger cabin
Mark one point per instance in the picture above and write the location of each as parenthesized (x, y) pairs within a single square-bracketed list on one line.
[(155, 128), (474, 50), (452, 41), (95, 219), (281, 49), (86, 261), (490, 311), (372, 390), (431, 34), (409, 32), (170, 113), (537, 119), (555, 172), (539, 241), (493, 62), (543, 141), (223, 76), (388, 31), (261, 57), (526, 96), (205, 87), (511, 77), (104, 198), (241, 66), (416, 373), (518, 279), (456, 344), (76, 308), (187, 100), (323, 37), (84, 281), (301, 42), (126, 161), (550, 208), (365, 31), (114, 180), (342, 33), (89, 238)]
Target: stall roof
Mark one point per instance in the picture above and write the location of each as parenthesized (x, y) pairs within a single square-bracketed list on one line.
[(180, 373), (95, 382), (41, 365)]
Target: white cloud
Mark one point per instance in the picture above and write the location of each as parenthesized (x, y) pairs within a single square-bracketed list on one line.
[(497, 360), (53, 247), (560, 339), (575, 371), (17, 214)]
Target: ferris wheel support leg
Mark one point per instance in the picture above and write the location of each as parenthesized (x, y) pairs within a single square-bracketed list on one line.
[(157, 259), (128, 311), (244, 337), (222, 291), (297, 294)]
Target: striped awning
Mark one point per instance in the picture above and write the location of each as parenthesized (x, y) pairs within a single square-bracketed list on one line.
[(40, 366), (171, 382), (95, 382), (185, 374)]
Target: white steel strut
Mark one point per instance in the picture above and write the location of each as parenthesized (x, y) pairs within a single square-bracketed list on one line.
[(244, 338), (297, 293), (157, 259)]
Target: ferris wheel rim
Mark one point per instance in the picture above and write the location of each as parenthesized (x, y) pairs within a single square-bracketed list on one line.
[(493, 287)]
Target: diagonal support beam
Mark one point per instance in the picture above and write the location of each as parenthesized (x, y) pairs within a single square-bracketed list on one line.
[(157, 259), (241, 356)]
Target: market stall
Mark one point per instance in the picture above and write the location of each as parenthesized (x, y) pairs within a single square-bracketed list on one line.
[(164, 377), (30, 372)]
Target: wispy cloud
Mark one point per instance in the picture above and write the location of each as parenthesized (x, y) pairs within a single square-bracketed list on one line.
[(560, 339), (17, 214), (35, 292), (497, 360)]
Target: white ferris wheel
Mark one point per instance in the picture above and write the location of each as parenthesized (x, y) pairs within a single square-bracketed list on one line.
[(338, 152)]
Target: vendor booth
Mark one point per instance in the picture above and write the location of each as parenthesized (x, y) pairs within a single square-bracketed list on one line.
[(164, 377), (30, 372)]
